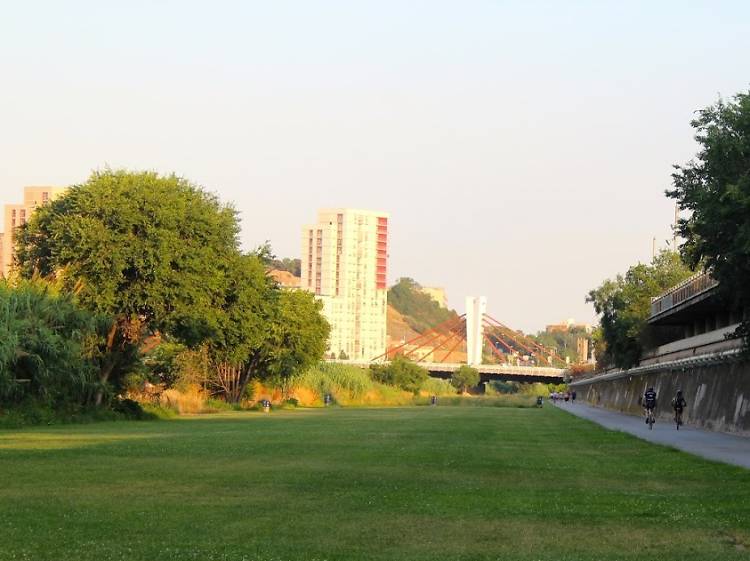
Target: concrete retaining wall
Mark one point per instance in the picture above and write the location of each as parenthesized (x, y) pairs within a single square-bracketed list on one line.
[(717, 395)]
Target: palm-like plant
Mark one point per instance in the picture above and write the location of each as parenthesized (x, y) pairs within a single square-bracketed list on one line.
[(44, 339)]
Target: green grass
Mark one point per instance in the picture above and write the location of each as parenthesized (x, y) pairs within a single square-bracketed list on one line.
[(417, 484)]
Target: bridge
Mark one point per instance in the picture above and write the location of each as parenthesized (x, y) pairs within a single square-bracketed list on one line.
[(477, 339), (487, 372)]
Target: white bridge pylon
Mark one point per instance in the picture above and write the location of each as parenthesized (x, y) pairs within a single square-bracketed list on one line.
[(476, 307)]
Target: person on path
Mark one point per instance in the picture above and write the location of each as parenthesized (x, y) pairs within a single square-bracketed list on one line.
[(649, 402), (678, 404)]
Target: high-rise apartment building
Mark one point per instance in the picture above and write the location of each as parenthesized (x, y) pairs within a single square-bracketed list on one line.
[(344, 262), (18, 214)]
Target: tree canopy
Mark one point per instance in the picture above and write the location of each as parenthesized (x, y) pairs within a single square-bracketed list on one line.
[(156, 254), (714, 189), (145, 248), (401, 372), (624, 304), (465, 377)]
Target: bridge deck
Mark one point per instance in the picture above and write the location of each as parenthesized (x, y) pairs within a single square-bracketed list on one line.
[(488, 371)]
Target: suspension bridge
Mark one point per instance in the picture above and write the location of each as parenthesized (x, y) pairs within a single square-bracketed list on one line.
[(479, 340)]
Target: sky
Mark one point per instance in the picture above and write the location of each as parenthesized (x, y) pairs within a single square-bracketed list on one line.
[(522, 148)]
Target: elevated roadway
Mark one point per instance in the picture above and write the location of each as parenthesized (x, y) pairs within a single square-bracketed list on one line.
[(505, 372)]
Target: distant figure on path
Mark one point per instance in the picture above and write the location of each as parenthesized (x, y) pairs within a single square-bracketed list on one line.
[(678, 404), (573, 396), (649, 402)]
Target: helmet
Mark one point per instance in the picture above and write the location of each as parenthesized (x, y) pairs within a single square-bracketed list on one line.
[(679, 392), (651, 388)]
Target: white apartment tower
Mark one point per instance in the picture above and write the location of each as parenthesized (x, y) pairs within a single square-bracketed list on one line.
[(344, 262)]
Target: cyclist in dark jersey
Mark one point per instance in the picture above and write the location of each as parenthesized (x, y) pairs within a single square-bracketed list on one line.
[(678, 404), (649, 401)]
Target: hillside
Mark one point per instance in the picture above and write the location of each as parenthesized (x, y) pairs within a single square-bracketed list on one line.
[(418, 309)]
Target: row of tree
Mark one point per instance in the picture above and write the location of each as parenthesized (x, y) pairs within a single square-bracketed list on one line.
[(713, 191), (410, 376), (145, 257)]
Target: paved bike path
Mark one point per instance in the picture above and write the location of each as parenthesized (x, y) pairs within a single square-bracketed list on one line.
[(712, 445)]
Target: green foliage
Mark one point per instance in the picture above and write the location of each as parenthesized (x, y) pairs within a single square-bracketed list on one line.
[(159, 254), (31, 412), (564, 343), (46, 346), (465, 377), (264, 332), (148, 249), (331, 378), (437, 386), (500, 387), (400, 372), (420, 311), (715, 190), (624, 304)]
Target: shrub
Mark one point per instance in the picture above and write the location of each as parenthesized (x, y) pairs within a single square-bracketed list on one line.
[(465, 377), (437, 386), (129, 408), (332, 378), (401, 373), (44, 342), (503, 388)]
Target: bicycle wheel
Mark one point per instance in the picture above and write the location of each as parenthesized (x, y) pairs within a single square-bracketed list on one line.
[(650, 421)]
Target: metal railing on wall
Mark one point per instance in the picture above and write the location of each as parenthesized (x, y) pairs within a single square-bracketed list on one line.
[(689, 288)]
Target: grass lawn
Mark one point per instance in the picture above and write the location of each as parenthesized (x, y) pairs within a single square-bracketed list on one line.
[(417, 483)]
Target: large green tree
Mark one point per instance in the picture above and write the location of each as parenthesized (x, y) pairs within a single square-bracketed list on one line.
[(261, 331), (714, 189), (150, 251), (624, 304)]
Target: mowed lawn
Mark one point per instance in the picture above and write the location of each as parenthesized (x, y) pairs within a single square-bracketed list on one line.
[(420, 483)]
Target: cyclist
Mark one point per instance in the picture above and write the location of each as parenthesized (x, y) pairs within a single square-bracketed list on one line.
[(678, 404), (649, 402)]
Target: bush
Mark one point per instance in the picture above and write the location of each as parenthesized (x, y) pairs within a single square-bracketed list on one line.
[(437, 386), (129, 408), (502, 388), (31, 413), (465, 377), (45, 340), (401, 373), (332, 378)]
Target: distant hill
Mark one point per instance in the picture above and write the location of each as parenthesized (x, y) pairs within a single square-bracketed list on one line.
[(418, 310)]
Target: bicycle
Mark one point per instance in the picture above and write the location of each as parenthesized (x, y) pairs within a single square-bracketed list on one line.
[(650, 418)]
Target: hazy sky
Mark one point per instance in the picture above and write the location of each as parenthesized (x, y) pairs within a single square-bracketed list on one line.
[(522, 148)]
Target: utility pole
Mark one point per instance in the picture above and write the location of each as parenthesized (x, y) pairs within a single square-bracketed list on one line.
[(674, 228), (653, 248)]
